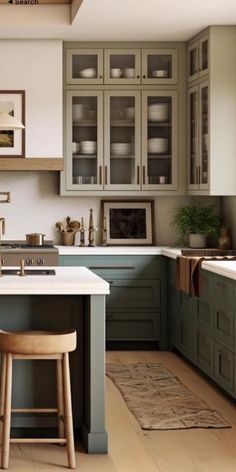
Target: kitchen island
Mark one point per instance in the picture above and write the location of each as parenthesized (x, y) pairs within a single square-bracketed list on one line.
[(72, 297)]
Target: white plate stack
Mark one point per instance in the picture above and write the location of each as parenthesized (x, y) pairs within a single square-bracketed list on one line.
[(78, 111), (160, 73), (120, 149), (157, 145), (88, 147), (158, 112)]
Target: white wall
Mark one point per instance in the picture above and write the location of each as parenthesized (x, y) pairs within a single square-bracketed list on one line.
[(36, 206), (36, 67)]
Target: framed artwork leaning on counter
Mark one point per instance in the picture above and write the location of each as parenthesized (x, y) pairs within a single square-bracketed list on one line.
[(12, 120), (128, 222)]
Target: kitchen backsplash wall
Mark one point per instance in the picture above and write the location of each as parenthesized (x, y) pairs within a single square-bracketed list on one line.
[(36, 206)]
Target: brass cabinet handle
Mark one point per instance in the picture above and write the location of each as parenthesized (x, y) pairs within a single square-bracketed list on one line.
[(143, 175), (100, 175), (138, 176), (105, 178)]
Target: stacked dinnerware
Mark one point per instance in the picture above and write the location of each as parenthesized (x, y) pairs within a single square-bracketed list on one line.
[(78, 111), (157, 145), (88, 147), (89, 73), (158, 112), (160, 73), (120, 149)]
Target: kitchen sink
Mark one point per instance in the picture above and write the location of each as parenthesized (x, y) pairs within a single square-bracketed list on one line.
[(208, 252), (29, 272)]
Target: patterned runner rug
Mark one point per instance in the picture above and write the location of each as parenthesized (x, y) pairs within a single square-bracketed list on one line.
[(159, 400)]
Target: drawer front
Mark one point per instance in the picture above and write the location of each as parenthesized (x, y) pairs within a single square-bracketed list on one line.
[(126, 293), (205, 351), (224, 291), (121, 327), (118, 266), (207, 284), (206, 314), (224, 326), (224, 367)]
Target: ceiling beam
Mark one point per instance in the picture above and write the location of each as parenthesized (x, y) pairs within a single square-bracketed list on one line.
[(75, 6)]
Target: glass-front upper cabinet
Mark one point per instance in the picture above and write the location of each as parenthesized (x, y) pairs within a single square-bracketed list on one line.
[(159, 147), (122, 66), (122, 140), (198, 59), (84, 66), (159, 66), (193, 125), (204, 136), (84, 140)]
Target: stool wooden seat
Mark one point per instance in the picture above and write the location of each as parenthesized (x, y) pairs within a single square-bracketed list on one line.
[(38, 345)]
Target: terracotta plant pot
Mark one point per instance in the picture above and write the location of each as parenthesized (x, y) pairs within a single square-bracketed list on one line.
[(197, 241), (68, 238)]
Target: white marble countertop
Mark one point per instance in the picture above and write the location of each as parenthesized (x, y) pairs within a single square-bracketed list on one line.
[(67, 281), (119, 250), (224, 268)]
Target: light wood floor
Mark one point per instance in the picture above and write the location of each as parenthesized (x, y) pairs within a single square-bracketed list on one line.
[(134, 450)]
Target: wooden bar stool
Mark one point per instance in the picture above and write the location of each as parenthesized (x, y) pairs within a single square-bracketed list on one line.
[(38, 345)]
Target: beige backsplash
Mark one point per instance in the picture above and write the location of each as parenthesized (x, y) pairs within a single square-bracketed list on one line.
[(36, 206)]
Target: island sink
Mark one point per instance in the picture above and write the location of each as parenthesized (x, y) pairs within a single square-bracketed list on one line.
[(29, 272)]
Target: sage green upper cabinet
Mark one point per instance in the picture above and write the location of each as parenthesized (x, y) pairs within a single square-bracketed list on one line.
[(159, 66), (84, 66), (212, 112), (122, 66), (159, 143), (84, 143), (122, 140), (198, 58), (198, 136)]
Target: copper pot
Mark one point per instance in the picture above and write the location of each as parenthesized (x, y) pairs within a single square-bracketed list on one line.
[(35, 239)]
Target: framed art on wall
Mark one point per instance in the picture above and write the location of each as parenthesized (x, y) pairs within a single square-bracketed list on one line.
[(12, 141), (128, 222)]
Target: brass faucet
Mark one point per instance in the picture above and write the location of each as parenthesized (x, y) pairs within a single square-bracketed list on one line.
[(2, 231)]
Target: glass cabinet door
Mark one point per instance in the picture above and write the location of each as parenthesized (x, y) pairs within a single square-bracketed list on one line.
[(122, 140), (193, 117), (159, 66), (84, 66), (159, 149), (122, 66), (84, 140), (204, 56), (193, 61), (204, 136)]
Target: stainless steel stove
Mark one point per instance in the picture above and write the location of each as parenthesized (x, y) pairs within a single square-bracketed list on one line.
[(12, 252)]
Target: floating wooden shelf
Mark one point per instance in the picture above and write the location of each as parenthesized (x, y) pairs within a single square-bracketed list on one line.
[(38, 164)]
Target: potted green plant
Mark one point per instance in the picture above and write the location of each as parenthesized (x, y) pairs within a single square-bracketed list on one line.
[(196, 223)]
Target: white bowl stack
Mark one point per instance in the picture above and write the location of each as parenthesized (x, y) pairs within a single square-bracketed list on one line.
[(120, 149), (157, 145), (89, 73), (129, 72), (88, 147), (158, 112), (160, 73), (77, 111)]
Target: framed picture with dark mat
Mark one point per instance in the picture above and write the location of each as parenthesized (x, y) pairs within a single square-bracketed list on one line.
[(128, 222)]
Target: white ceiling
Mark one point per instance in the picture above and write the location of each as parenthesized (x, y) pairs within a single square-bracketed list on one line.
[(117, 20)]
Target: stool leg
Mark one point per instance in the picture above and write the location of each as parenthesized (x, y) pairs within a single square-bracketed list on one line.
[(7, 415), (68, 412), (60, 400), (2, 391)]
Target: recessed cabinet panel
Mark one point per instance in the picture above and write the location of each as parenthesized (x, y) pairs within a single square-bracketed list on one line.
[(159, 147), (122, 140), (224, 369), (193, 67), (84, 140), (198, 59), (204, 56), (204, 136), (205, 351), (84, 66), (159, 66), (122, 66), (193, 137)]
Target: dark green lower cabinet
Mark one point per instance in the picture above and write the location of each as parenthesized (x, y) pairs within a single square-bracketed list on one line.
[(132, 325), (204, 351), (224, 367)]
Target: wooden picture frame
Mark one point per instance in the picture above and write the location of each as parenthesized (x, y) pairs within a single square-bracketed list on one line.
[(12, 142), (128, 222)]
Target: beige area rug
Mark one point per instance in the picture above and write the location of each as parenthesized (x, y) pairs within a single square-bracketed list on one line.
[(159, 400)]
